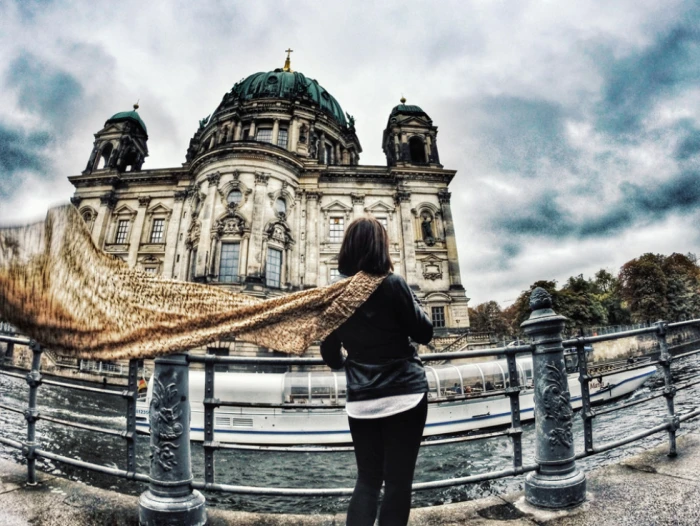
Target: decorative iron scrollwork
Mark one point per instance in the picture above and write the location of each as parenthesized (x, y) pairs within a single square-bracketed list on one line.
[(166, 427), (557, 406)]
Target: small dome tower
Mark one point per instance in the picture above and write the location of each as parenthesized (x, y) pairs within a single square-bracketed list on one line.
[(410, 137), (120, 145)]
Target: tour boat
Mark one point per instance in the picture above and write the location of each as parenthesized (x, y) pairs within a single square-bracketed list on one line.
[(308, 407)]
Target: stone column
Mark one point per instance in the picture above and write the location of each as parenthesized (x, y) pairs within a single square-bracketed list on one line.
[(172, 244), (137, 230), (206, 214), (237, 131), (107, 203), (403, 199), (450, 240), (312, 228), (255, 262), (321, 154), (337, 158), (229, 132), (557, 483), (276, 131), (169, 498), (297, 248), (292, 134), (358, 205), (405, 153), (435, 158), (251, 131)]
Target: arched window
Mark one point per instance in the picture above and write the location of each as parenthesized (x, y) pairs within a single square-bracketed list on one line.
[(416, 150), (281, 206), (104, 156), (234, 197)]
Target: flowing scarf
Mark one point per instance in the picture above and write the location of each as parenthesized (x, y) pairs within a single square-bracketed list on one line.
[(59, 289)]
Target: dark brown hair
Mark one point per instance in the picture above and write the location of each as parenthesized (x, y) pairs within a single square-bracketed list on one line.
[(365, 247)]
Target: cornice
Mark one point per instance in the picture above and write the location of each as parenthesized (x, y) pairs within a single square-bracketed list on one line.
[(247, 150)]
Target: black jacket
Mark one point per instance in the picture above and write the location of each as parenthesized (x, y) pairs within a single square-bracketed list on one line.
[(381, 361)]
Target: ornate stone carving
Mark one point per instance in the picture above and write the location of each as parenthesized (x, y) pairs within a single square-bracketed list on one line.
[(557, 406), (109, 200), (214, 178), (165, 427), (180, 195), (144, 201), (230, 226), (357, 199), (313, 196), (261, 178), (402, 196), (444, 196), (76, 200)]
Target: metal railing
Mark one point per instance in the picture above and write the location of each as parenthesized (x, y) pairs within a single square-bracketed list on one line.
[(554, 481)]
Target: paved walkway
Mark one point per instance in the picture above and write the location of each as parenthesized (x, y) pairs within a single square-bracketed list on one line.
[(647, 490)]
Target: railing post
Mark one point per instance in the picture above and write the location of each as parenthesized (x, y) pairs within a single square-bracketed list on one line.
[(170, 498), (558, 483), (32, 414), (669, 389)]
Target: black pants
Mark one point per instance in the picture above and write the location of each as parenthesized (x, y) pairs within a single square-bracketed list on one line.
[(386, 450)]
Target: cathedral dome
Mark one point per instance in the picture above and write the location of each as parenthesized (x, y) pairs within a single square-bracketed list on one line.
[(127, 115), (288, 85)]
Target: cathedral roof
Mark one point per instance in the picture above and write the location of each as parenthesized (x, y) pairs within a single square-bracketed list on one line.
[(408, 109), (127, 115), (288, 85)]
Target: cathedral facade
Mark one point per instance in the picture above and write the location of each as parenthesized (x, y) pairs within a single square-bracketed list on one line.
[(271, 180)]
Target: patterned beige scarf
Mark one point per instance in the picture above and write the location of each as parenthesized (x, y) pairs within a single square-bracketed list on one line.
[(59, 289)]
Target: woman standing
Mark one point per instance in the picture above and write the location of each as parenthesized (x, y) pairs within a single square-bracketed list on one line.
[(386, 384)]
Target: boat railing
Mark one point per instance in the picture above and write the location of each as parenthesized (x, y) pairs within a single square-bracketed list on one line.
[(554, 481)]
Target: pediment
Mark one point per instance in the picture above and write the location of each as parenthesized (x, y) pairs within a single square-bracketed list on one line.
[(416, 121), (438, 297), (159, 209), (431, 258), (336, 206), (379, 206), (124, 210)]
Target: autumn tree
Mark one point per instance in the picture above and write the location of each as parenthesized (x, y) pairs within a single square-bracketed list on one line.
[(488, 317)]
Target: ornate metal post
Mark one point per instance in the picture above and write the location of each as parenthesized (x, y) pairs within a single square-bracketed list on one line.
[(170, 499), (32, 414), (669, 389), (557, 483)]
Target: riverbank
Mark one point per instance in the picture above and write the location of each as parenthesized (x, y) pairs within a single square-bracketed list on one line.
[(650, 489)]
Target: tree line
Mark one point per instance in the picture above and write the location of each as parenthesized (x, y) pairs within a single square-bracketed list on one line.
[(651, 287)]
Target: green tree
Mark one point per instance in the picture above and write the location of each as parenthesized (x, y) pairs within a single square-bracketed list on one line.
[(488, 317), (644, 286)]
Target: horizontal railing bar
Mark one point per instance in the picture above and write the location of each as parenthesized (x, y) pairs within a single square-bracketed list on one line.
[(623, 441), (599, 412), (78, 425), (11, 443), (689, 416), (93, 467), (14, 339), (12, 409), (338, 449), (677, 324), (495, 351), (336, 492), (13, 375), (607, 337), (109, 392), (685, 354)]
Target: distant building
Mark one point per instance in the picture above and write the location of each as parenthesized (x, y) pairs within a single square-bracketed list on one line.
[(270, 181)]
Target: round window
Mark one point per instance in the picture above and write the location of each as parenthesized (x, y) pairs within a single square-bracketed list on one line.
[(281, 206), (234, 197)]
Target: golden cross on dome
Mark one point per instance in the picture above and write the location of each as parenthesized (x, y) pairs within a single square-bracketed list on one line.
[(287, 63)]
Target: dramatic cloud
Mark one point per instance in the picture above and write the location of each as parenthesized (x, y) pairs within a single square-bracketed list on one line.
[(574, 127)]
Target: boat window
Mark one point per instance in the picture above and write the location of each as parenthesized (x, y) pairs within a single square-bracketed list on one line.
[(521, 372), (322, 388), (472, 378), (450, 381), (503, 366), (296, 387), (493, 376), (527, 370), (432, 382)]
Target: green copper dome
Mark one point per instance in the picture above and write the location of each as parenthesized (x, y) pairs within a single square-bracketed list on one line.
[(288, 85), (408, 109), (127, 115)]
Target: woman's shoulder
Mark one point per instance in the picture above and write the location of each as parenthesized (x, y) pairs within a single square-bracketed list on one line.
[(394, 281)]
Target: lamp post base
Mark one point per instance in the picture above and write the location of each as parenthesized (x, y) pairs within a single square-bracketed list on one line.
[(555, 491), (186, 510)]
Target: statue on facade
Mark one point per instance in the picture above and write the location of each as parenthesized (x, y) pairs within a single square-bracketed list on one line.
[(427, 229)]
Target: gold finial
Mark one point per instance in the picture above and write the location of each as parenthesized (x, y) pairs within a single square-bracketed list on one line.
[(287, 63), (403, 99), (136, 106)]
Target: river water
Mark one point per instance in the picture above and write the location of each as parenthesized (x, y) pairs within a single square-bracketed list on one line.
[(308, 470)]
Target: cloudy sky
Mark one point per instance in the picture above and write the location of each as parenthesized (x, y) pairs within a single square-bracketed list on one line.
[(574, 126)]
